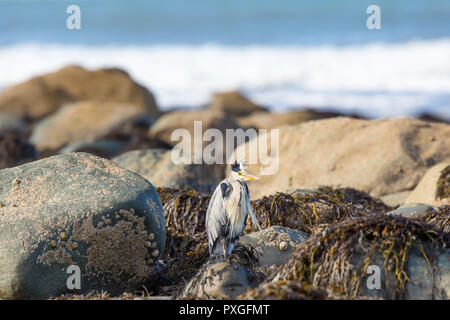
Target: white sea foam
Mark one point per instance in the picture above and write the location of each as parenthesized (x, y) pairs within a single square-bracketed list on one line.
[(376, 79)]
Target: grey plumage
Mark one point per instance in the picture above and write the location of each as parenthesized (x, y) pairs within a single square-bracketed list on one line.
[(228, 210)]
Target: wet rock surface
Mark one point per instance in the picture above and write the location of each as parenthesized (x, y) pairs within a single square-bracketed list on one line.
[(76, 209)]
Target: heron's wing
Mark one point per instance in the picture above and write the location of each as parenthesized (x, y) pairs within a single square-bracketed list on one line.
[(254, 218), (216, 218)]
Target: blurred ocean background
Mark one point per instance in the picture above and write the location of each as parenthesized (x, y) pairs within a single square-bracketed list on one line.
[(281, 54)]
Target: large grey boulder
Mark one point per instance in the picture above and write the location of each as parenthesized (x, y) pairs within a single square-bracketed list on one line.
[(275, 244), (76, 209), (156, 165)]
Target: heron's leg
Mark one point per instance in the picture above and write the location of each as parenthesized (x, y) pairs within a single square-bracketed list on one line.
[(224, 247)]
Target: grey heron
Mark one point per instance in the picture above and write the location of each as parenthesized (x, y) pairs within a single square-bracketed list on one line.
[(228, 210)]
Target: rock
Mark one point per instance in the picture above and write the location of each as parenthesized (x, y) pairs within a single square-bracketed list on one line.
[(15, 150), (76, 209), (156, 165), (133, 133), (412, 211), (303, 192), (412, 259), (234, 104), (42, 95), (184, 119), (395, 199), (270, 120), (220, 280), (166, 125), (80, 122), (275, 243), (421, 286), (434, 188), (101, 148), (376, 156), (11, 122)]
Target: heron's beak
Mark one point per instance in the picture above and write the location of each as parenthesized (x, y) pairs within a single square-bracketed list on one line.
[(248, 176)]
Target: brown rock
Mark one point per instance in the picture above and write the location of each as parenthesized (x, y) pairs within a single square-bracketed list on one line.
[(81, 121), (234, 104), (434, 188), (379, 156), (44, 94), (268, 120), (184, 119), (156, 165)]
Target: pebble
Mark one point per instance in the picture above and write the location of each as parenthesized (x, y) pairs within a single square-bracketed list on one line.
[(283, 245), (155, 253)]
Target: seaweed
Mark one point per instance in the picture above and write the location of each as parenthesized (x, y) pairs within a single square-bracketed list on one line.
[(184, 210), (103, 295), (439, 218), (307, 212), (186, 247), (284, 290), (443, 185), (338, 257)]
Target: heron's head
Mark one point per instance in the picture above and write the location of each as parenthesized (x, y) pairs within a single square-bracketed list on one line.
[(239, 172)]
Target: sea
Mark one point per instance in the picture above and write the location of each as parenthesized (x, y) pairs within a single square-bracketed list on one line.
[(283, 54)]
